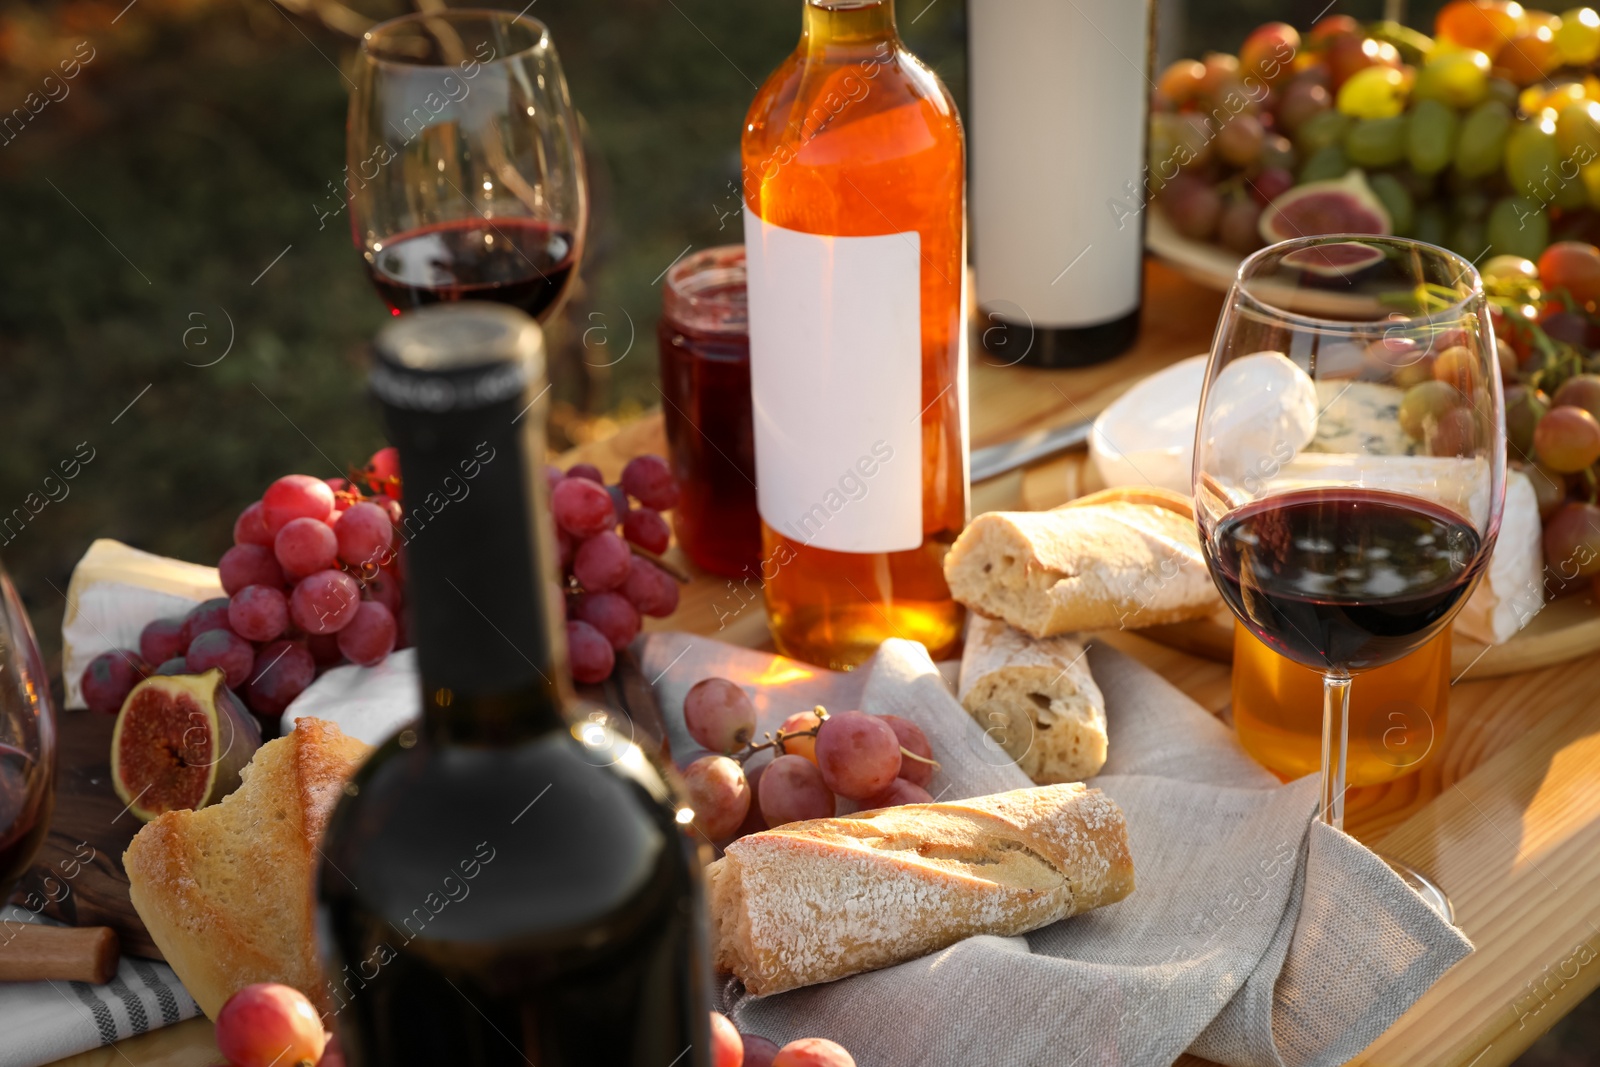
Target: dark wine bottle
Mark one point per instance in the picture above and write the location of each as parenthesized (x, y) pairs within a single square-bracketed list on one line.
[(506, 881)]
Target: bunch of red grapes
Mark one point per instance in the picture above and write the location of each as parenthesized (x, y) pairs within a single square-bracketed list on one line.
[(878, 761), (730, 1048), (609, 582), (313, 580)]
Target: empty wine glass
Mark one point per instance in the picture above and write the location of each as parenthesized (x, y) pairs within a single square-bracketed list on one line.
[(1349, 467), (465, 170), (27, 742)]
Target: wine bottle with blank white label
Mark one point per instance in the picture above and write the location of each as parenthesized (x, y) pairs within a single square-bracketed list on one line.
[(1059, 106), (855, 250)]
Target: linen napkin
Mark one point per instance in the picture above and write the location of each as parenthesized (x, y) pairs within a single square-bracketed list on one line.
[(40, 1022), (1256, 936)]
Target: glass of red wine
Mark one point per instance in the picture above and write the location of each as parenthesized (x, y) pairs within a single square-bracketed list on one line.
[(1349, 467), (27, 742), (465, 168)]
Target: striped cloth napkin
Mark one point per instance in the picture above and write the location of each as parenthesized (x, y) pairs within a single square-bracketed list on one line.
[(40, 1022)]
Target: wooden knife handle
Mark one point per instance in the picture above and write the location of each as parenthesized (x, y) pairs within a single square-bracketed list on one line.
[(31, 952)]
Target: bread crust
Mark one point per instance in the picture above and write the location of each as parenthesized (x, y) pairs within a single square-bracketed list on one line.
[(1036, 699), (226, 891), (819, 900), (1114, 561)]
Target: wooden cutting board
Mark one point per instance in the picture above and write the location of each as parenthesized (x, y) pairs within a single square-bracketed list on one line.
[(89, 821), (91, 827)]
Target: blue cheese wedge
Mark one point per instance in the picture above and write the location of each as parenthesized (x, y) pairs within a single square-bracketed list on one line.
[(1360, 417)]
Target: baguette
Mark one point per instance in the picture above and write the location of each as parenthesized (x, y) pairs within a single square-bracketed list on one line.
[(226, 891), (819, 900), (1037, 699), (1119, 559)]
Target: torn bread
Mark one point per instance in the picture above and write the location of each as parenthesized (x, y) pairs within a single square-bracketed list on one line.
[(818, 900), (226, 891), (1119, 559), (1036, 699)]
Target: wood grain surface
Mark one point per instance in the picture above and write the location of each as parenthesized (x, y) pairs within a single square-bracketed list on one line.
[(1505, 815)]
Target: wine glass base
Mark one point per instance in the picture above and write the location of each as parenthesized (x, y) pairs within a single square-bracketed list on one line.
[(1425, 888)]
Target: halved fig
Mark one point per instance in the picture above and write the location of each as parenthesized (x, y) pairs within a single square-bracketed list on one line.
[(180, 742), (1337, 205)]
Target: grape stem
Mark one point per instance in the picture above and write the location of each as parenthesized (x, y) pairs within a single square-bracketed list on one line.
[(775, 741), (671, 568)]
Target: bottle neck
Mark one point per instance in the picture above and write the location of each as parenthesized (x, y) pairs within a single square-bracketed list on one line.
[(480, 589), (847, 22)]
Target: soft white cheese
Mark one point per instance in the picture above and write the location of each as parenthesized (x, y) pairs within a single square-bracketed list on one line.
[(115, 591)]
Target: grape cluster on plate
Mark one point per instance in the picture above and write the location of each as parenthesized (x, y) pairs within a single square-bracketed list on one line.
[(314, 579), (878, 761), (730, 1048), (1545, 320), (1485, 135), (611, 578)]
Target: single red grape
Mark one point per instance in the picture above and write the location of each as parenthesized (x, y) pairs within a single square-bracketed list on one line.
[(324, 602), (244, 565), (652, 590), (110, 677), (207, 615), (613, 615), (858, 754), (912, 739), (225, 649), (259, 612), (250, 528), (390, 507), (282, 671), (587, 471), (649, 480), (305, 546), (646, 528), (552, 475), (175, 665), (295, 496), (718, 793), (727, 1047), (590, 653), (602, 562), (718, 714), (582, 508), (269, 1025), (161, 640), (369, 637), (363, 534), (792, 790), (382, 472)]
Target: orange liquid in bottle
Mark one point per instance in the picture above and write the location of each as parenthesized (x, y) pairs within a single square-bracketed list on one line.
[(1397, 711), (853, 137)]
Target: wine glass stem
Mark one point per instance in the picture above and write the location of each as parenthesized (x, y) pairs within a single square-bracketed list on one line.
[(1335, 745)]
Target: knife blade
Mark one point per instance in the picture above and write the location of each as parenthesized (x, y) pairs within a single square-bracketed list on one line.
[(995, 460)]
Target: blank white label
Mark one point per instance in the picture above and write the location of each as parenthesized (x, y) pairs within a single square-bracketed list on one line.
[(836, 386)]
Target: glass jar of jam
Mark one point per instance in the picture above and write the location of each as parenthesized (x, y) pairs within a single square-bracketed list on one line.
[(705, 387)]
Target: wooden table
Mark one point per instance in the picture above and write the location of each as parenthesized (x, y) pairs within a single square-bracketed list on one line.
[(1505, 816)]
